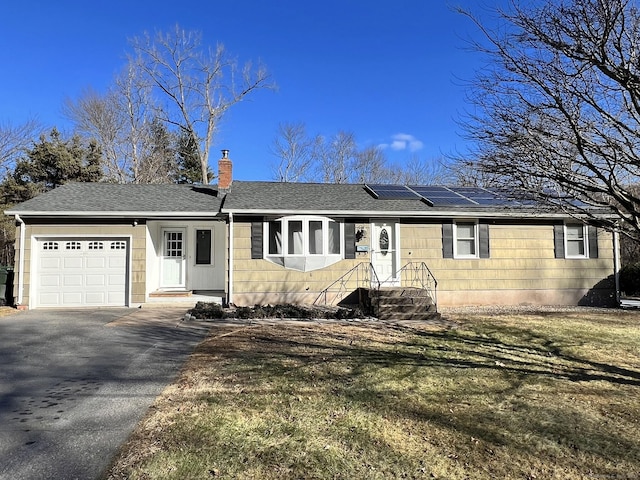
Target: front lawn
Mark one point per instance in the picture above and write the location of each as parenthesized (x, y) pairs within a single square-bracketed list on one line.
[(547, 395)]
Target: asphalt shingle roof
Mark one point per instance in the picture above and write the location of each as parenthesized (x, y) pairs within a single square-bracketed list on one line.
[(280, 196), (336, 198), (243, 197), (114, 198)]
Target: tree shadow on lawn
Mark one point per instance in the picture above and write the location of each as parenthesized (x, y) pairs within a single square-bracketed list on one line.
[(520, 359)]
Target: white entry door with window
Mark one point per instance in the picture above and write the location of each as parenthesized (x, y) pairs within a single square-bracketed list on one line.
[(173, 258), (384, 253)]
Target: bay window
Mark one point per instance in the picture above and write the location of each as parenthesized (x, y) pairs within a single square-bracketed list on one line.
[(303, 243)]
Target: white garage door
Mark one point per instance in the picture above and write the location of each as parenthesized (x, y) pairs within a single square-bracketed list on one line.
[(81, 272)]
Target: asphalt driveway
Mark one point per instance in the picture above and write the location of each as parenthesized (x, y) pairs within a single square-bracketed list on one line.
[(74, 383)]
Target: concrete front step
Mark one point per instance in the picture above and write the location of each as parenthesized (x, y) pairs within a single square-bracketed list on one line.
[(395, 292), (170, 293), (417, 317), (403, 304), (386, 309), (403, 301)]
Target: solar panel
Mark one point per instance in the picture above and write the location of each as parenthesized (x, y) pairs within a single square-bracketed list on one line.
[(440, 196), (392, 192), (482, 196)]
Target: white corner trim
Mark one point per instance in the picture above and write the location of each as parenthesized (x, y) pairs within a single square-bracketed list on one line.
[(231, 249), (21, 260)]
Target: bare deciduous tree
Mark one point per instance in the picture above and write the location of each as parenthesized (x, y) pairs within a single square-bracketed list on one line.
[(15, 140), (198, 85), (122, 121), (370, 166), (421, 171), (335, 157), (99, 117), (294, 152), (136, 107), (338, 159), (557, 111)]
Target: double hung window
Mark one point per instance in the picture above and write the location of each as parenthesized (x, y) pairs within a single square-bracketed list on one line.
[(576, 244), (466, 240)]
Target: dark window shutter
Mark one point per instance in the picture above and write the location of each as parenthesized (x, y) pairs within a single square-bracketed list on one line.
[(593, 242), (483, 240), (447, 240), (558, 240), (349, 240), (256, 240)]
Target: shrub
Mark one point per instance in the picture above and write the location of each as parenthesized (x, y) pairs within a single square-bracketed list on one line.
[(207, 310), (630, 279), (215, 311)]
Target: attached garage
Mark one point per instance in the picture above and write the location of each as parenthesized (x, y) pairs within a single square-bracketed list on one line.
[(81, 272)]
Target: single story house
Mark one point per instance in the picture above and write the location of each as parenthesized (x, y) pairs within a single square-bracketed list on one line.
[(252, 242)]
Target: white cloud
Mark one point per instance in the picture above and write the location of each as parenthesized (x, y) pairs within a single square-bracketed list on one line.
[(403, 141)]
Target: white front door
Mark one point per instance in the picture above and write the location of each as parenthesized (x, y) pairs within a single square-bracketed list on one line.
[(173, 258), (384, 253)]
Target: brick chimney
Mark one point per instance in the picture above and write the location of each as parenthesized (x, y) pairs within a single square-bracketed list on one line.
[(225, 176)]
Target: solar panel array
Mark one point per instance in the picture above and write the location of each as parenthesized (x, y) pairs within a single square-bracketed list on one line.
[(393, 192), (438, 196)]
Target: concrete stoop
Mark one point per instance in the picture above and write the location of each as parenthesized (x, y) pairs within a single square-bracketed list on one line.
[(403, 304)]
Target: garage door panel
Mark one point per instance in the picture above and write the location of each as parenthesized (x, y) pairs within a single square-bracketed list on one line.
[(114, 298), (50, 280), (117, 280), (47, 263), (117, 262), (95, 280), (73, 262), (95, 298), (50, 299), (96, 262), (81, 272), (72, 298), (73, 280)]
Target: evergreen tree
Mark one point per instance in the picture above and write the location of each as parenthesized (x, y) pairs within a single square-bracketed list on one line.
[(188, 168), (52, 162), (158, 162)]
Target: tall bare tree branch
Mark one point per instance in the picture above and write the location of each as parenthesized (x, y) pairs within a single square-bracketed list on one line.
[(198, 85), (293, 150), (15, 140), (556, 111)]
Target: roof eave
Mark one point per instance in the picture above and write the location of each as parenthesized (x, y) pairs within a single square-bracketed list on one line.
[(475, 213), (103, 214)]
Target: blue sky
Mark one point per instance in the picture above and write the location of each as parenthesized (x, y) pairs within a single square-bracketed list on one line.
[(393, 73)]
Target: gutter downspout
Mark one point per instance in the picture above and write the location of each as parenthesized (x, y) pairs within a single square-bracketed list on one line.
[(230, 289), (21, 260)]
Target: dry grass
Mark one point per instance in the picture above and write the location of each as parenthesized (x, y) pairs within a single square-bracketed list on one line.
[(535, 396)]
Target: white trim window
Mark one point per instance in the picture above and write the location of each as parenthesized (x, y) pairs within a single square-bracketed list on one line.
[(576, 243), (465, 243), (303, 242)]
